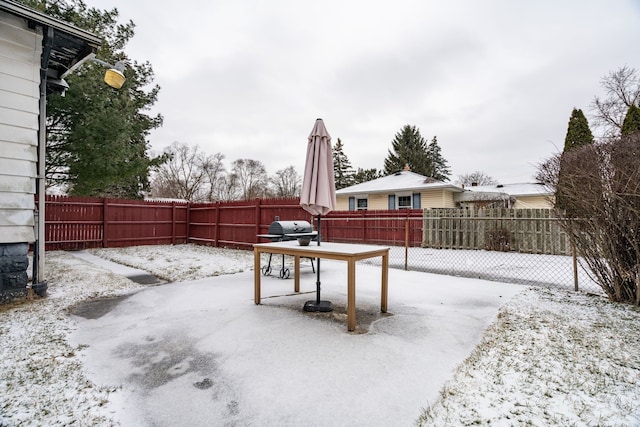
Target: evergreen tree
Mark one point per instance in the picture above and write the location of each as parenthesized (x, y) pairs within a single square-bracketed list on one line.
[(578, 135), (97, 136), (409, 148), (440, 169), (578, 132), (342, 170), (365, 175), (631, 122)]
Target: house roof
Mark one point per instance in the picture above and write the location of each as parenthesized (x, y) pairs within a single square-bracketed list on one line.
[(519, 189), (68, 46), (399, 181)]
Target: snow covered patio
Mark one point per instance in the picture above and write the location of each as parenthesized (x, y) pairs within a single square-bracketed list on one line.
[(197, 352), (200, 352)]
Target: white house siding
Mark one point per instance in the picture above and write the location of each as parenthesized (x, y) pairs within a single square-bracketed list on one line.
[(342, 203), (20, 50), (378, 202), (437, 199), (533, 202), (374, 202)]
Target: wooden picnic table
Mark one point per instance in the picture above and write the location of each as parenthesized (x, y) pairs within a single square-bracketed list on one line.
[(327, 250)]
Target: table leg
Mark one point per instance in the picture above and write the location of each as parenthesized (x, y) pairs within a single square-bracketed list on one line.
[(385, 282), (296, 273), (351, 295), (256, 275)]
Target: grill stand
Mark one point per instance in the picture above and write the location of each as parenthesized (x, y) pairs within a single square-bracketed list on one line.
[(317, 305), (284, 272), (278, 233)]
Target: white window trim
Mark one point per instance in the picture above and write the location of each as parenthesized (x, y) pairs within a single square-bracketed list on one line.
[(361, 197), (404, 194)]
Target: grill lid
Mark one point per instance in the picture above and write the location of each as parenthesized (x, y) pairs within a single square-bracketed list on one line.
[(290, 227)]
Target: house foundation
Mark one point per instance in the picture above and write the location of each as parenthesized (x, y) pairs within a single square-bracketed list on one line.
[(13, 270)]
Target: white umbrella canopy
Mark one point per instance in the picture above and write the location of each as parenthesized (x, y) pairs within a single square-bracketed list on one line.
[(318, 195)]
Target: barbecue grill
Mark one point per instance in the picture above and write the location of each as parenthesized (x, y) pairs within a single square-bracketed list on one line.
[(280, 231)]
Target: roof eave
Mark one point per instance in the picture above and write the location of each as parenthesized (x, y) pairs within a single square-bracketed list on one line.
[(46, 20), (453, 188)]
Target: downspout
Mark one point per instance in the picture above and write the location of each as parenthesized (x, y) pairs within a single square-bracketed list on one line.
[(38, 284)]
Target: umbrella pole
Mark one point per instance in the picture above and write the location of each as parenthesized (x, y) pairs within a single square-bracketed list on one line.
[(318, 269), (317, 305)]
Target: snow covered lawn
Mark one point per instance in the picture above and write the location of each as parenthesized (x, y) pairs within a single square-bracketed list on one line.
[(551, 357)]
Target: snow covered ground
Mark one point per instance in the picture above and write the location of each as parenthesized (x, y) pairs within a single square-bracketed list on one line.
[(547, 356)]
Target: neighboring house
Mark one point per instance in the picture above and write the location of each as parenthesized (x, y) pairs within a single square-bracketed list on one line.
[(401, 190), (409, 190), (517, 196), (36, 52)]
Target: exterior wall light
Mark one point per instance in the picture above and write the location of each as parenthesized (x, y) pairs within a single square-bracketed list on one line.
[(114, 76)]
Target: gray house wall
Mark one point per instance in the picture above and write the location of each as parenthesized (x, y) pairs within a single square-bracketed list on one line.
[(20, 50)]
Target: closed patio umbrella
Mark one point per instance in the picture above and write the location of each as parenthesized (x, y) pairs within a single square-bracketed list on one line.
[(318, 196)]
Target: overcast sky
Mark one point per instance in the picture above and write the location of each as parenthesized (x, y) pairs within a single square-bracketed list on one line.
[(495, 81)]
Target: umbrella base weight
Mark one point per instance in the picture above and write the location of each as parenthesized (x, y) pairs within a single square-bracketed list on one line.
[(314, 306)]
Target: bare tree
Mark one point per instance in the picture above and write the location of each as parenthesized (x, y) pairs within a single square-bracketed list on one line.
[(227, 188), (190, 174), (622, 90), (181, 177), (484, 200), (252, 178), (600, 189), (286, 183), (475, 178), (214, 171)]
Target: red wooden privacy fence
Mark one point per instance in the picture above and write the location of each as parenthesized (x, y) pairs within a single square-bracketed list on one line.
[(85, 222), (380, 227), (237, 223), (81, 222)]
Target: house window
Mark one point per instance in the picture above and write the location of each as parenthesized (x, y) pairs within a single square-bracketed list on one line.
[(404, 202), (361, 204)]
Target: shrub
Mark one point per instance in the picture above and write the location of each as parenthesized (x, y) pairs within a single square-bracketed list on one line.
[(498, 240), (599, 189)]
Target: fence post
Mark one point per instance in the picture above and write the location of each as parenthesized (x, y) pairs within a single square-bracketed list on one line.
[(258, 218), (216, 224), (173, 223), (364, 225), (575, 266), (105, 228), (406, 243), (187, 224)]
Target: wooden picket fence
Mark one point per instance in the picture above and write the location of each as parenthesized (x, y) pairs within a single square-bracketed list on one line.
[(519, 230)]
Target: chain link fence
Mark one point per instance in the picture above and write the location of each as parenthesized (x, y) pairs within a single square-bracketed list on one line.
[(530, 251)]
